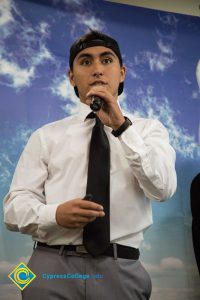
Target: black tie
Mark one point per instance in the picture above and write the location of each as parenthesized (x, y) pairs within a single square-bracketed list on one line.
[(96, 234)]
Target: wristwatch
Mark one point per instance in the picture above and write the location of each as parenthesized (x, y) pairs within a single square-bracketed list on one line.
[(122, 128)]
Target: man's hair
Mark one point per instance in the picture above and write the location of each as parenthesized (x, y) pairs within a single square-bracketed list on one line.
[(91, 39)]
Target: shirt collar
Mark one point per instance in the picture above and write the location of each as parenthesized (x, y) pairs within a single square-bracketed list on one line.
[(83, 111)]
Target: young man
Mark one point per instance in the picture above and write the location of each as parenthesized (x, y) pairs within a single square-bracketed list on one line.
[(87, 201)]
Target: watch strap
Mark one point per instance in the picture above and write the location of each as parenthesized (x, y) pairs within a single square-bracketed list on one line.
[(122, 128)]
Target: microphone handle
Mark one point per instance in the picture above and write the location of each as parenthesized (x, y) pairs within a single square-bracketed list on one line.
[(96, 103)]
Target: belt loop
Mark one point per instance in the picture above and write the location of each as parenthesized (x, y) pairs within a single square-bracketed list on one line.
[(61, 250), (35, 245), (115, 250)]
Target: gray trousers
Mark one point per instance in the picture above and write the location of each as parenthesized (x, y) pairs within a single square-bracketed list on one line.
[(74, 276)]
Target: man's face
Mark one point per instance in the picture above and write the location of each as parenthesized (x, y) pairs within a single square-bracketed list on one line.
[(96, 66)]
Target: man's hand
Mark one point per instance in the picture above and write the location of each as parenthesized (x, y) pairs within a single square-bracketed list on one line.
[(110, 113), (77, 213)]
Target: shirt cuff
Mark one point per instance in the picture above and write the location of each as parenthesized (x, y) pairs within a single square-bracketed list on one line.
[(47, 216)]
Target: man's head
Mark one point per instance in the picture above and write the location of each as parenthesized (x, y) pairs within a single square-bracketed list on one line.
[(95, 55)]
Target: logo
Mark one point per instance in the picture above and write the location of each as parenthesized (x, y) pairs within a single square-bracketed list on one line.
[(21, 276)]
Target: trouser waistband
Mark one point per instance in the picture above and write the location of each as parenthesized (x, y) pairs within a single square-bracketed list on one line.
[(114, 250)]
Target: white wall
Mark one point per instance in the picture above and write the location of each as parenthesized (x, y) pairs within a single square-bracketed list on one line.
[(188, 7)]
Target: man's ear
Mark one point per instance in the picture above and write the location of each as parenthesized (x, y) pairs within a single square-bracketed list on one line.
[(71, 77), (123, 73)]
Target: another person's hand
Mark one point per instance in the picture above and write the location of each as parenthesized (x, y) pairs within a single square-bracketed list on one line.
[(77, 213)]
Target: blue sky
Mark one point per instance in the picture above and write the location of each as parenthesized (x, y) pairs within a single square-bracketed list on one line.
[(161, 52)]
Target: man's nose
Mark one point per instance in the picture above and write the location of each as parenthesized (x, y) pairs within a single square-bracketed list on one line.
[(98, 69), (97, 74)]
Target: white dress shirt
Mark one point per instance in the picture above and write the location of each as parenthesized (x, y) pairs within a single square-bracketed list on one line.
[(53, 169)]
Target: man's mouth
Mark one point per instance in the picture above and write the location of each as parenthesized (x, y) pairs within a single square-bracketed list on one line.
[(98, 83)]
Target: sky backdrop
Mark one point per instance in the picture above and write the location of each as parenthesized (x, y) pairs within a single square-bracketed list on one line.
[(161, 52)]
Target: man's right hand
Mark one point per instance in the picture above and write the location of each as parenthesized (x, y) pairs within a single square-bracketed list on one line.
[(77, 213)]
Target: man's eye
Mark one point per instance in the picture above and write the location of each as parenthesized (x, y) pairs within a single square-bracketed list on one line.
[(86, 62), (107, 60)]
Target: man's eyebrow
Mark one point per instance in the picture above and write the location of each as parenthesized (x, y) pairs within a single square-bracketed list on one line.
[(88, 55), (107, 53)]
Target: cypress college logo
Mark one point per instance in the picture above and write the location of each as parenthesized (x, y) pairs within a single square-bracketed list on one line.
[(21, 276)]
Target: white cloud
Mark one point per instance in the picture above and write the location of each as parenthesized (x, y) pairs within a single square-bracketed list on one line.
[(22, 135), (162, 59), (5, 12), (156, 61), (5, 175), (42, 55), (168, 19), (62, 88), (22, 77), (19, 77), (151, 106), (130, 67), (195, 95), (164, 47), (187, 81), (85, 20), (133, 74), (19, 71), (7, 157), (7, 20), (90, 20), (122, 98), (44, 28), (171, 263), (166, 37), (146, 246)]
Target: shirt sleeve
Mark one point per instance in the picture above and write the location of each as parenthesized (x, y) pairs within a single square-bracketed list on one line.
[(151, 158), (25, 207)]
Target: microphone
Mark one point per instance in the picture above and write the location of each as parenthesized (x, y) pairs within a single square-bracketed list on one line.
[(96, 103)]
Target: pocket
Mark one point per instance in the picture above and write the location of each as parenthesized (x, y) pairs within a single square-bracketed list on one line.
[(147, 281), (134, 279)]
